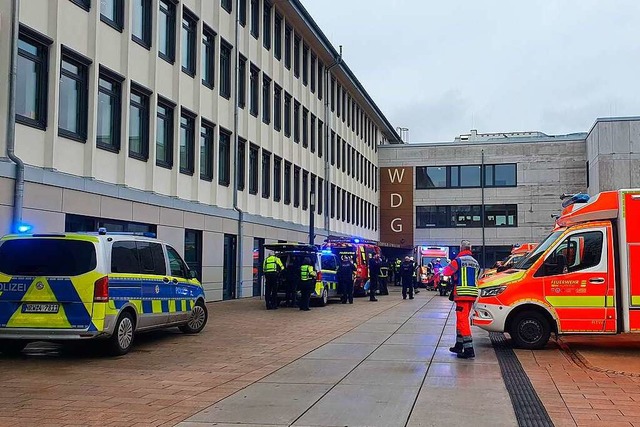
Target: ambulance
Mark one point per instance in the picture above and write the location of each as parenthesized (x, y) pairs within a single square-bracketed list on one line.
[(425, 255), (584, 278)]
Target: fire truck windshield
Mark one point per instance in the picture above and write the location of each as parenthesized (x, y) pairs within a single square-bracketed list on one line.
[(530, 259)]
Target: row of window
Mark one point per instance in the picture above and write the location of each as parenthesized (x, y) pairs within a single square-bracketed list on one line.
[(466, 216), (349, 208), (501, 175)]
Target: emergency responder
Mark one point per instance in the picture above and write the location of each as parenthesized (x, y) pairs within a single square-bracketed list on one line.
[(293, 277), (464, 271), (397, 277), (374, 273), (406, 273), (345, 279), (272, 268), (383, 277), (307, 281), (414, 283), (437, 264)]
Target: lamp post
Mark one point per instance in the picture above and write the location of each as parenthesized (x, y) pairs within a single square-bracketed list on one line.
[(312, 214)]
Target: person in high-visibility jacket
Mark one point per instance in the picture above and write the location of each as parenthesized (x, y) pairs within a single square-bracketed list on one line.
[(464, 271), (396, 274), (272, 268), (307, 282)]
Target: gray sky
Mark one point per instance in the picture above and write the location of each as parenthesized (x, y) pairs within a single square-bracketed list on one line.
[(441, 68)]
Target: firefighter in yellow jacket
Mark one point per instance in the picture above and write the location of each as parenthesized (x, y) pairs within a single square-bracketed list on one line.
[(272, 269), (307, 282)]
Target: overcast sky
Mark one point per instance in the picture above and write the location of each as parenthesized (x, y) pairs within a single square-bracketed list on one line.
[(443, 67)]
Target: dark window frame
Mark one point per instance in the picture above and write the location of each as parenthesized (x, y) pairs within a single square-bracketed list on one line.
[(254, 95), (296, 55), (255, 18), (296, 186), (227, 5), (277, 36), (41, 61), (207, 137), (242, 81), (287, 114), (305, 190), (277, 107), (288, 33), (187, 124), (266, 25), (145, 107), (169, 106), (190, 25), (305, 127), (312, 73), (224, 157), (266, 174), (454, 176), (305, 64), (296, 121), (312, 134), (242, 12), (117, 23), (266, 99), (241, 162), (445, 216), (254, 173), (116, 96), (287, 182), (84, 4), (208, 57), (226, 51), (277, 178), (82, 78), (147, 25), (168, 10)]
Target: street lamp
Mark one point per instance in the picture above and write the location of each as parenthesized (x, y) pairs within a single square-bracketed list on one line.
[(312, 214)]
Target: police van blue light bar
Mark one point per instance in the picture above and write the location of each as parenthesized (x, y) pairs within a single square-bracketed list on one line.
[(23, 228)]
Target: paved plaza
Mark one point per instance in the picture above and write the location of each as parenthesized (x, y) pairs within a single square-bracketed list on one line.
[(367, 364)]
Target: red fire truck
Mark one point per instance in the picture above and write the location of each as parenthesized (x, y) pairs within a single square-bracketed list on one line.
[(360, 251)]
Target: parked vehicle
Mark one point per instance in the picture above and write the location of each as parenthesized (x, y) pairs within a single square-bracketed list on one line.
[(427, 276), (73, 286), (360, 251), (517, 253), (583, 278)]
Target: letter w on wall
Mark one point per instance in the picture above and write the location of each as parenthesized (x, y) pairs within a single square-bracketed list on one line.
[(396, 174)]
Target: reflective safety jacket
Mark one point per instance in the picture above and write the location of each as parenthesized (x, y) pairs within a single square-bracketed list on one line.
[(384, 272), (464, 272), (307, 273), (272, 265)]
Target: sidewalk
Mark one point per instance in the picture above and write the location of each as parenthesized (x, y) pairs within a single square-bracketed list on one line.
[(393, 370)]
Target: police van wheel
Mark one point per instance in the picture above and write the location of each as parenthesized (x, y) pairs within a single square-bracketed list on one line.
[(530, 330), (197, 319), (324, 298), (122, 339), (12, 347)]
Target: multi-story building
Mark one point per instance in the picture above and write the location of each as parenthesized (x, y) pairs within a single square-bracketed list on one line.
[(433, 193), (220, 125)]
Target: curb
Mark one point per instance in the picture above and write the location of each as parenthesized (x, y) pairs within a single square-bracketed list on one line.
[(579, 359)]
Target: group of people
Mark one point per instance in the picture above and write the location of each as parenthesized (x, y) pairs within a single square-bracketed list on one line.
[(300, 275)]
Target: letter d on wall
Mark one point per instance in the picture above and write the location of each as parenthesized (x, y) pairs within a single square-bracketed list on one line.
[(394, 197), (396, 225)]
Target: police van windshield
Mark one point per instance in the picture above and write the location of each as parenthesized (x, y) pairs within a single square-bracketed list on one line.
[(529, 260), (47, 257)]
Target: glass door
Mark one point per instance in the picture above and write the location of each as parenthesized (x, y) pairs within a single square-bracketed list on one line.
[(229, 271)]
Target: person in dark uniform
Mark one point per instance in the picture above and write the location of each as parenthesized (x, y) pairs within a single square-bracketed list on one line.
[(406, 273), (293, 277), (374, 273), (272, 269), (345, 279), (307, 280)]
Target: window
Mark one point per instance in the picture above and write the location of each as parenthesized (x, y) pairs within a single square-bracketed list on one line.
[(254, 96), (338, 100), (577, 252), (344, 206), (466, 216), (305, 127), (266, 174), (333, 200), (206, 151), (348, 218), (305, 190), (287, 47), (287, 115), (296, 56), (72, 118), (187, 141), (500, 175), (312, 133), (320, 80), (305, 64), (287, 183), (225, 69), (125, 258), (277, 37), (227, 5), (32, 78), (51, 257), (296, 122), (85, 4), (277, 178), (469, 176), (151, 258), (321, 192), (177, 266), (313, 73), (253, 169), (333, 94), (501, 215), (296, 186), (109, 111), (255, 18), (333, 148), (431, 177), (241, 161), (139, 123), (242, 81), (193, 251), (337, 203), (266, 32), (320, 139), (164, 134), (266, 99), (242, 11), (337, 151), (141, 25), (189, 23), (112, 13), (277, 107), (208, 57), (166, 30), (224, 158)]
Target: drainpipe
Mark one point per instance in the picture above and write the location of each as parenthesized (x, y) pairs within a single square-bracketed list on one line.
[(236, 206), (327, 149), (18, 193)]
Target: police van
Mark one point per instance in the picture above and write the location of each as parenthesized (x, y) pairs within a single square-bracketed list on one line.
[(77, 286), (325, 264)]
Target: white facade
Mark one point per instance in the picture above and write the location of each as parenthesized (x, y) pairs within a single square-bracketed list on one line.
[(67, 176)]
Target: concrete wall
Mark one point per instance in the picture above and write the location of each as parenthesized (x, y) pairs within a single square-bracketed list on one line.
[(613, 153), (545, 170)]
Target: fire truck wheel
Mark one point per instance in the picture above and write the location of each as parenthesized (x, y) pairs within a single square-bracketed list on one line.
[(530, 330)]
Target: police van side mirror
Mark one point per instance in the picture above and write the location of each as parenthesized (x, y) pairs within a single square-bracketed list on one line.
[(193, 274)]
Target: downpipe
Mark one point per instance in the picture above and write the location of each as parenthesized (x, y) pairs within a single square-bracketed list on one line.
[(18, 193), (236, 142)]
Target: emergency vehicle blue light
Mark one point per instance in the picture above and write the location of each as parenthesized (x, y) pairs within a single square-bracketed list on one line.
[(24, 228), (356, 240), (327, 251)]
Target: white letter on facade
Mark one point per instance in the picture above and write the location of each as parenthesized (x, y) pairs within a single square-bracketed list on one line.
[(396, 175), (398, 196), (395, 227)]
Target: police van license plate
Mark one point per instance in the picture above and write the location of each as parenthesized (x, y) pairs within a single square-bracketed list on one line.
[(40, 308)]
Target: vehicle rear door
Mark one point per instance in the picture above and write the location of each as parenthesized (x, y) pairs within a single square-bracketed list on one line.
[(578, 282), (330, 273), (47, 282)]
